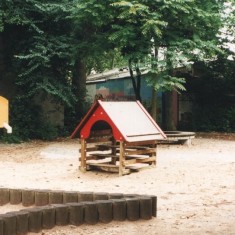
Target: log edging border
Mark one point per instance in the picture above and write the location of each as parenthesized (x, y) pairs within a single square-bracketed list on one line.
[(50, 208)]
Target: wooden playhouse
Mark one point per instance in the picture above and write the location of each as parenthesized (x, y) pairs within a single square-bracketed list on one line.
[(118, 137)]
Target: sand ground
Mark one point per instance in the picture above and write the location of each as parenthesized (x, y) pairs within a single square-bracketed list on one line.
[(195, 185)]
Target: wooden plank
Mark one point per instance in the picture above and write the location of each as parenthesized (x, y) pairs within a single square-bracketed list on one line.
[(137, 166), (141, 151), (139, 143), (150, 159), (103, 165), (138, 147), (91, 157), (104, 155), (108, 145), (128, 162), (137, 156)]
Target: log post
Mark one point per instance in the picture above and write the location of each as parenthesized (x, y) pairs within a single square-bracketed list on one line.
[(121, 158), (114, 151), (83, 156), (155, 154)]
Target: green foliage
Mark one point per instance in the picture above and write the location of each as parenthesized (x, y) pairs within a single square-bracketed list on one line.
[(211, 118), (230, 119), (39, 54), (46, 131), (164, 82), (106, 61), (46, 41), (28, 123), (215, 118), (227, 31), (180, 33), (9, 138), (46, 57), (215, 96)]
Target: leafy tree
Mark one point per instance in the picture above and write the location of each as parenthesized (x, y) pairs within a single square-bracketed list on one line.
[(183, 31), (51, 46), (214, 98), (89, 30), (227, 32), (35, 36)]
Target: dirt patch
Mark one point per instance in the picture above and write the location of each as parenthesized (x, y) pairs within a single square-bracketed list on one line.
[(195, 185)]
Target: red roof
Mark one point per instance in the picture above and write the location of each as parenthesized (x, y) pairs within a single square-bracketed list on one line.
[(129, 121)]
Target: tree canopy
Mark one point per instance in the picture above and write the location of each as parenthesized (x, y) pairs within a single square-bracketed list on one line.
[(51, 46)]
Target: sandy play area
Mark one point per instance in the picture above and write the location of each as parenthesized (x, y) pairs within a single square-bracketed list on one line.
[(195, 185)]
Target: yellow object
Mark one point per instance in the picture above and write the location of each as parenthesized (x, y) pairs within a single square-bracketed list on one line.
[(3, 111)]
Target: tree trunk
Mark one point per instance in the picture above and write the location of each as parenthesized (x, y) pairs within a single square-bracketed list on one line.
[(154, 104), (138, 96), (136, 86), (169, 106), (154, 92), (1, 54), (79, 85), (169, 113)]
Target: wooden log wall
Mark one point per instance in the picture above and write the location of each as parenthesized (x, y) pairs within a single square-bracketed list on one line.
[(105, 153), (84, 207)]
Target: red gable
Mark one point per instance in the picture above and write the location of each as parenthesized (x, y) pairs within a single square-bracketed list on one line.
[(129, 121)]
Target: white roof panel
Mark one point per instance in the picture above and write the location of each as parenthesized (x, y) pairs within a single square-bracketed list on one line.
[(132, 120)]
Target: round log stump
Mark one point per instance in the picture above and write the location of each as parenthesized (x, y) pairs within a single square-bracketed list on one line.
[(115, 195), (4, 196), (41, 197), (105, 211), (22, 223), (133, 208), (61, 214), (91, 215), (1, 225), (48, 217), (85, 196), (35, 220), (56, 197), (28, 197), (70, 197), (15, 196), (145, 208), (100, 196), (154, 205), (131, 195), (76, 213), (119, 209), (9, 224)]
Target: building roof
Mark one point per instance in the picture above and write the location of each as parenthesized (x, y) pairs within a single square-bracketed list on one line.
[(129, 121), (108, 75), (122, 73)]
